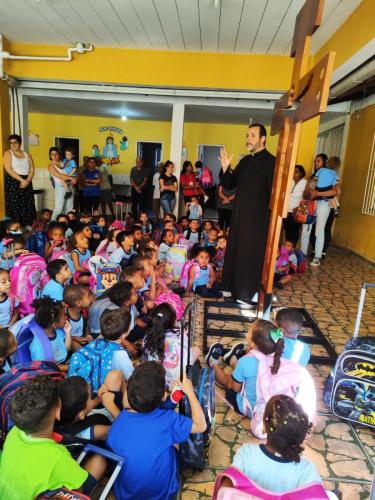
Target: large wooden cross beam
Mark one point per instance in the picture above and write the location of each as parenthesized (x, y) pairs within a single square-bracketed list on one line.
[(306, 98)]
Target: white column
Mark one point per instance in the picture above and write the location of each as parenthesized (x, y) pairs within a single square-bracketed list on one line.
[(21, 124), (177, 133)]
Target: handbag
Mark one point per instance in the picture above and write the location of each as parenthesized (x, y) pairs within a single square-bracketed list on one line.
[(305, 213)]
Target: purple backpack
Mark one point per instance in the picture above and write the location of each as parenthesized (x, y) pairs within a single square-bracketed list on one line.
[(245, 489)]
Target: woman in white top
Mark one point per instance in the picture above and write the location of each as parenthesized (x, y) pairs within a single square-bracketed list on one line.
[(64, 197), (156, 195), (19, 196), (291, 227)]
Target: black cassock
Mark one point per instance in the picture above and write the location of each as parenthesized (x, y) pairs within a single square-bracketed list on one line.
[(244, 256)]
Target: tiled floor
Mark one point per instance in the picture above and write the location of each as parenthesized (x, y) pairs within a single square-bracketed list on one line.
[(343, 454)]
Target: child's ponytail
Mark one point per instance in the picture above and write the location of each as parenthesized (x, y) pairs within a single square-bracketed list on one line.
[(268, 340), (163, 319)]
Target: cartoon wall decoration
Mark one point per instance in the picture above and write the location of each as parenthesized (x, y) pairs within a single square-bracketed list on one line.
[(110, 153), (95, 151), (124, 143)]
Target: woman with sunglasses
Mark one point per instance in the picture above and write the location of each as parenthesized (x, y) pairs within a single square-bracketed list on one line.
[(19, 196)]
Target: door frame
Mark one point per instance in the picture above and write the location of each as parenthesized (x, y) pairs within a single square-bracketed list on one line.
[(68, 137), (213, 145), (151, 142)]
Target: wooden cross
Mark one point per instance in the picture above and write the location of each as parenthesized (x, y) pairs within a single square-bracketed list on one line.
[(306, 98)]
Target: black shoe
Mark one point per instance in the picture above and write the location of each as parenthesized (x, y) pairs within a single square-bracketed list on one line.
[(215, 352), (236, 351)]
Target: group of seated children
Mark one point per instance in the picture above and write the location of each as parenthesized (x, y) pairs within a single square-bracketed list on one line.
[(119, 358)]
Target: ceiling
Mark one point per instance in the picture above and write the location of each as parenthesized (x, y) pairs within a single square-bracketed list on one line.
[(153, 111), (241, 26)]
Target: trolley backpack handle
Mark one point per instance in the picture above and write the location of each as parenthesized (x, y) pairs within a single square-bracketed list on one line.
[(186, 315), (364, 288)]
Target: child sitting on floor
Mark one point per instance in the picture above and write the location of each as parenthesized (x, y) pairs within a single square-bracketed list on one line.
[(212, 238), (78, 298), (144, 435), (136, 232), (56, 240), (167, 238), (193, 233), (146, 226), (283, 263), (79, 255), (162, 343), (202, 277), (277, 466), (32, 462), (8, 346), (122, 255), (108, 245), (194, 209), (59, 272), (8, 303), (290, 320)]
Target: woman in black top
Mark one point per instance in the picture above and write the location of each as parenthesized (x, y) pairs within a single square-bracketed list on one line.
[(168, 187)]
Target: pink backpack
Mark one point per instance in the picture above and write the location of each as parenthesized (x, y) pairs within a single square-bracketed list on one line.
[(245, 489), (185, 272), (28, 278), (176, 258), (291, 380), (60, 254), (207, 179), (173, 300)]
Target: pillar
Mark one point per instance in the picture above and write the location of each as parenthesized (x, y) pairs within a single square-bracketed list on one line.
[(177, 131), (4, 134)]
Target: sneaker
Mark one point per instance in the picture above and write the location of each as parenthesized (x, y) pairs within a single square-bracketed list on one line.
[(205, 198), (315, 262), (226, 294), (336, 213), (215, 352), (236, 351)]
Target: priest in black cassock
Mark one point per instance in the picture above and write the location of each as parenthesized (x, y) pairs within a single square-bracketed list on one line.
[(246, 247)]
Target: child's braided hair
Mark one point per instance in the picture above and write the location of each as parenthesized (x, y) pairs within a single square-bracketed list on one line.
[(287, 426), (268, 340)]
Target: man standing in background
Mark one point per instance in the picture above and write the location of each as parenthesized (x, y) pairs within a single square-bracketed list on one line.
[(138, 181)]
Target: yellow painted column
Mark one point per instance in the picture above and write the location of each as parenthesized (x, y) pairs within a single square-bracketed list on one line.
[(4, 133)]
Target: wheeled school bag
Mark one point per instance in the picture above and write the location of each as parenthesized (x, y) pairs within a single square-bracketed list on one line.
[(36, 242), (195, 451), (349, 391), (16, 378), (104, 274), (246, 489)]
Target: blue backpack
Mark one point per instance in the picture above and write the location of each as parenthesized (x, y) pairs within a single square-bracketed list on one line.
[(93, 361), (36, 242)]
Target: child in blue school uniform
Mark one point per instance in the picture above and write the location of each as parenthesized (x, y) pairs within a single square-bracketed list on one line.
[(78, 298), (151, 452), (60, 273), (78, 256), (8, 304), (290, 320), (202, 277)]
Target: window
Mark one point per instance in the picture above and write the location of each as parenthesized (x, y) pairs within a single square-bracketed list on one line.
[(368, 207), (330, 142)]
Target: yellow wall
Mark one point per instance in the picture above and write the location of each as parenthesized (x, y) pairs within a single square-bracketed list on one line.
[(357, 31), (355, 230), (86, 129), (162, 68)]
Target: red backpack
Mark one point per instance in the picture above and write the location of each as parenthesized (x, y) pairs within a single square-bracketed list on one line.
[(207, 178)]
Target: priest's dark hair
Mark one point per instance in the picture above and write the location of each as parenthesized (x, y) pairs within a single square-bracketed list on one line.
[(262, 130)]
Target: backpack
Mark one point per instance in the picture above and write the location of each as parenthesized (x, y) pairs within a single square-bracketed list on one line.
[(207, 179), (176, 258), (93, 361), (104, 274), (25, 331), (245, 488), (36, 243), (349, 391), (185, 273), (301, 261), (188, 234), (28, 278), (305, 213), (173, 300), (61, 254), (291, 380), (283, 259), (16, 378)]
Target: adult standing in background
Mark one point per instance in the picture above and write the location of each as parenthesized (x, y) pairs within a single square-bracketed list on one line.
[(246, 248), (156, 192), (168, 187), (64, 197), (291, 227), (226, 194), (138, 181), (106, 193), (189, 182), (19, 196), (90, 180)]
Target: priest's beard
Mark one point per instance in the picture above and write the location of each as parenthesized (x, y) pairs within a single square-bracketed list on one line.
[(254, 148)]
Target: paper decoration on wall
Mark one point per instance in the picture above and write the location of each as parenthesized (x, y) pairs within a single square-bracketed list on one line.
[(124, 143), (111, 128), (33, 139), (110, 154)]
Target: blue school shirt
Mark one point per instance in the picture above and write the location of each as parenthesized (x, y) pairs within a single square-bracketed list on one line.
[(59, 350), (6, 311), (272, 472), (96, 311), (163, 251), (326, 178), (82, 257), (54, 290), (119, 256), (77, 326), (150, 452), (194, 236), (246, 372), (203, 277), (91, 190), (70, 165), (296, 351)]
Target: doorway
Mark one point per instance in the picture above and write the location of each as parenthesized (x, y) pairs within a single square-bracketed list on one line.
[(61, 143), (209, 156), (151, 153)]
